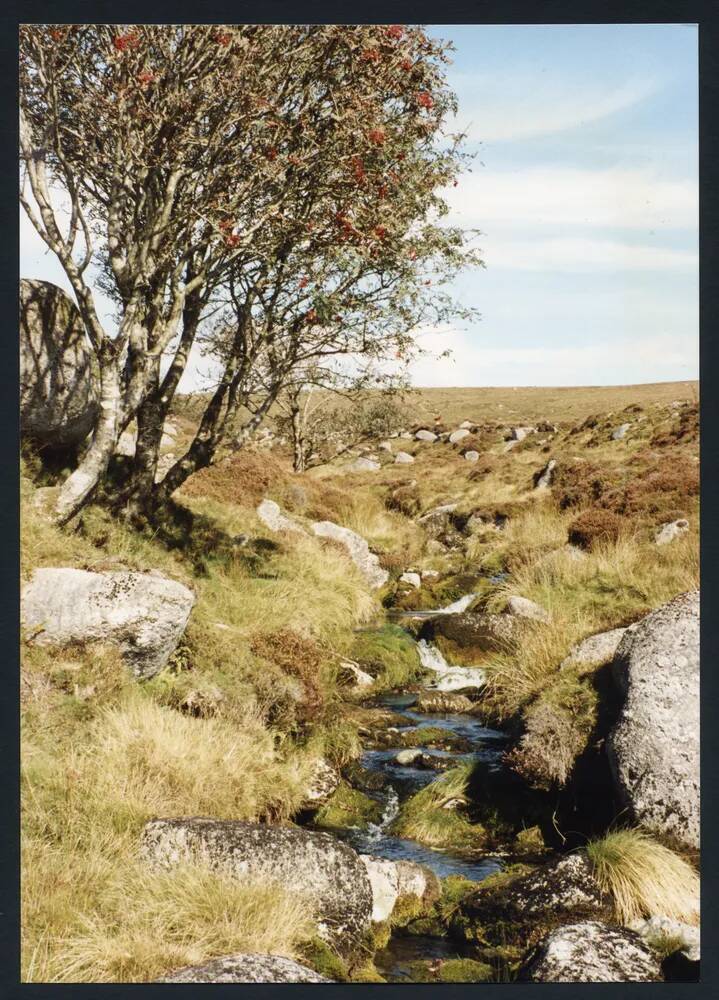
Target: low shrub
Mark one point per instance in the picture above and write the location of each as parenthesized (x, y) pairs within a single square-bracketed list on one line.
[(595, 527), (643, 877)]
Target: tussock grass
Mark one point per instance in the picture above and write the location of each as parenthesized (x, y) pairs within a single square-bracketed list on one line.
[(644, 878), (425, 817)]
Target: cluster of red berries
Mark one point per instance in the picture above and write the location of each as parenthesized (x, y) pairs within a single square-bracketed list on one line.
[(425, 100), (395, 31), (222, 37), (371, 55), (377, 136), (130, 40)]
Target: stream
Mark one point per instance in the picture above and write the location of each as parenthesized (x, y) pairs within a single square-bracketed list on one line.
[(485, 744)]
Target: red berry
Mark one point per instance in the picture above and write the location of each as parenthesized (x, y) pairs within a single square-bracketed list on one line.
[(377, 136), (425, 100), (395, 31)]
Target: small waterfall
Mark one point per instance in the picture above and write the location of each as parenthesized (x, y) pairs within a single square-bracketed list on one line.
[(449, 678), (375, 831)]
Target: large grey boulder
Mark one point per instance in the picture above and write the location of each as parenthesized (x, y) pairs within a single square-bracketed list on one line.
[(145, 614), (479, 630), (591, 952), (365, 561), (325, 871), (247, 969), (654, 746), (59, 395)]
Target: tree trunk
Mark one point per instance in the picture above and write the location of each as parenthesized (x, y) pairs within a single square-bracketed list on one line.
[(298, 443), (78, 487)]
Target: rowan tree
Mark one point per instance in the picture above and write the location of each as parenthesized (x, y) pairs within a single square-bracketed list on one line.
[(288, 176)]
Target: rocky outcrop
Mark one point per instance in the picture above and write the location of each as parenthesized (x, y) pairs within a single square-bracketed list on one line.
[(59, 393), (145, 614), (365, 561), (395, 882), (438, 702), (595, 649), (247, 969), (325, 871), (654, 747), (591, 952)]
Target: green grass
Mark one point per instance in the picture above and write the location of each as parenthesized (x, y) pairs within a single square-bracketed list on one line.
[(389, 654), (425, 818)]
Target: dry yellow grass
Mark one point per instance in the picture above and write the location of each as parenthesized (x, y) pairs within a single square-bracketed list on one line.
[(644, 878)]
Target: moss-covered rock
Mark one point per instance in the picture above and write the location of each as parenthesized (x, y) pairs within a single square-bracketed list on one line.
[(451, 970), (348, 807), (389, 654)]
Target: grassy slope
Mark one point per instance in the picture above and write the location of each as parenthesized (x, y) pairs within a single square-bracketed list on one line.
[(233, 727)]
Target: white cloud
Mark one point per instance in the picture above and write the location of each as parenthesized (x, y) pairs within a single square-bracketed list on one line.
[(568, 255), (518, 108), (659, 356), (567, 196)]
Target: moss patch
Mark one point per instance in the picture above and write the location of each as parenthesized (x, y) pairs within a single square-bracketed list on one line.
[(389, 654), (346, 808)]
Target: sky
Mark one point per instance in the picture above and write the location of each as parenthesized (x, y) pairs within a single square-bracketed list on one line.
[(584, 185)]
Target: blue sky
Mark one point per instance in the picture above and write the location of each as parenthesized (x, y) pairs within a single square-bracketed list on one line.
[(585, 188)]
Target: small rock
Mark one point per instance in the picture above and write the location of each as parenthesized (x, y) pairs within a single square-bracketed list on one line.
[(406, 435), (599, 648), (324, 782), (456, 436), (395, 881), (430, 573), (272, 517), (466, 425), (520, 433), (439, 702), (591, 952), (412, 578), (620, 432), (522, 607), (424, 435), (354, 676), (668, 532), (403, 458), (406, 758), (364, 465), (385, 446), (247, 969), (471, 456)]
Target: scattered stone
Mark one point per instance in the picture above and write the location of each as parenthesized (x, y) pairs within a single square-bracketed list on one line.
[(456, 436), (466, 425), (668, 532), (471, 456), (406, 436), (545, 427), (59, 386), (395, 881), (412, 578), (620, 432), (247, 969), (367, 562), (520, 433), (403, 458), (654, 747), (430, 573), (364, 465), (545, 477), (599, 648), (385, 446), (145, 614), (591, 952), (522, 607), (272, 517), (424, 435), (326, 871)]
